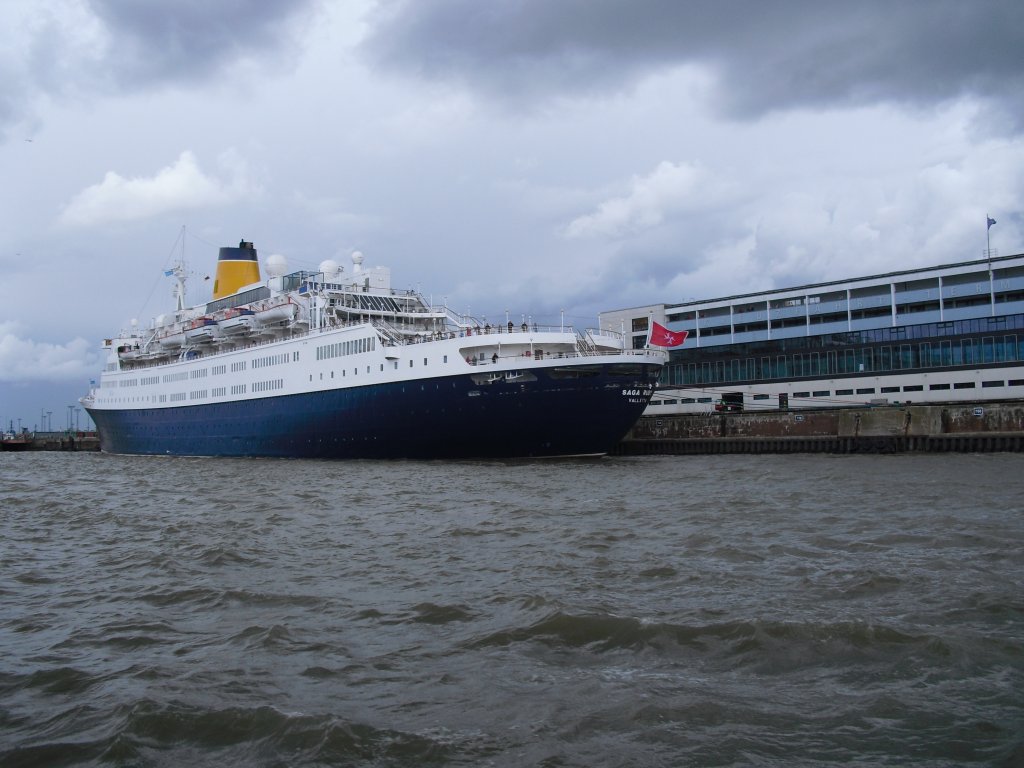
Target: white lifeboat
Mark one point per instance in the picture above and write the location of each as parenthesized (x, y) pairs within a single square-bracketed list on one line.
[(202, 330), (172, 340), (237, 321), (277, 313), (128, 352)]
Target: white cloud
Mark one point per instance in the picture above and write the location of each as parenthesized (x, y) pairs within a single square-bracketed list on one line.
[(177, 187), (668, 189), (23, 359)]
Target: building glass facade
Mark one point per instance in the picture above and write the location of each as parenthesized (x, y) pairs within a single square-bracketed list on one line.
[(975, 342)]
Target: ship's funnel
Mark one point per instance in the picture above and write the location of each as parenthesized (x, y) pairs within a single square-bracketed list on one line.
[(236, 267)]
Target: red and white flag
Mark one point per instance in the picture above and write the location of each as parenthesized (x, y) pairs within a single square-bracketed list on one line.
[(663, 337)]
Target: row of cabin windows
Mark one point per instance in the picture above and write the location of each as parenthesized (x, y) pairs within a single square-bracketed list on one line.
[(942, 386), (341, 348), (394, 364), (240, 389)]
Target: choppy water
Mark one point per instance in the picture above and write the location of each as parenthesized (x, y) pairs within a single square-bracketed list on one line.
[(657, 611)]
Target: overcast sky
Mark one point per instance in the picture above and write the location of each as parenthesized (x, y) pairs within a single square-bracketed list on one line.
[(530, 155)]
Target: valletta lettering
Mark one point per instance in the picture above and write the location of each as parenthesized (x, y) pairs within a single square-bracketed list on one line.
[(637, 395)]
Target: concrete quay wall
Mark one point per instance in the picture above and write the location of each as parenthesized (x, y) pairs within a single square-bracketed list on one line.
[(55, 441), (992, 426)]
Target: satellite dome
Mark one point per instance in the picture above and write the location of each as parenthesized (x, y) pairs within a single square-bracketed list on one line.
[(330, 268), (357, 260), (276, 265)]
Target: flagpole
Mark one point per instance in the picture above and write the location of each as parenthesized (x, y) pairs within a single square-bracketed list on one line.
[(988, 240), (989, 221)]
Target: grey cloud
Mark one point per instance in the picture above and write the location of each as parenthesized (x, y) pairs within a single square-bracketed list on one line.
[(765, 56), (112, 46), (155, 41)]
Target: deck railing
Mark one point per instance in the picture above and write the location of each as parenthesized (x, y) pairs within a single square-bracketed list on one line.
[(394, 336)]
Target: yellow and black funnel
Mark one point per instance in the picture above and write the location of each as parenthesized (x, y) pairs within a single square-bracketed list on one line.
[(236, 267)]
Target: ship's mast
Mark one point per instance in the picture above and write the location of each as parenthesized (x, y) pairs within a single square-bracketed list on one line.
[(179, 274)]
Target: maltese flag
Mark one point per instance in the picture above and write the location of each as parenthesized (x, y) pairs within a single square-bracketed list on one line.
[(663, 337)]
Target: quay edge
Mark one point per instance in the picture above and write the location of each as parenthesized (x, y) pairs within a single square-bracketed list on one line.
[(952, 427), (53, 441)]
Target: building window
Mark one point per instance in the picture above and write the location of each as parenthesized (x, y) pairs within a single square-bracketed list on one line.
[(639, 324)]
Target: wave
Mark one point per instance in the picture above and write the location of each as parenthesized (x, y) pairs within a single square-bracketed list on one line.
[(606, 632), (430, 613), (149, 733), (215, 597), (60, 680)]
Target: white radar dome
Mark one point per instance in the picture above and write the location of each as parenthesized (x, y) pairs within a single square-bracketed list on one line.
[(357, 260), (276, 264), (330, 268)]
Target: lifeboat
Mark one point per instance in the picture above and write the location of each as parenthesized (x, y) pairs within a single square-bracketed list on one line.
[(128, 352), (237, 321), (276, 314), (174, 339), (202, 330)]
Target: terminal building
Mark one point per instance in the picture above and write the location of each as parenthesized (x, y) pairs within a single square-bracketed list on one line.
[(950, 333)]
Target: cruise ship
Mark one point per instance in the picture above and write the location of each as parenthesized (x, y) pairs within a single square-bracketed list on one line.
[(948, 333), (338, 364)]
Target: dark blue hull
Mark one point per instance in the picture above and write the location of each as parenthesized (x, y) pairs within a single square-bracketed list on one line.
[(574, 410)]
